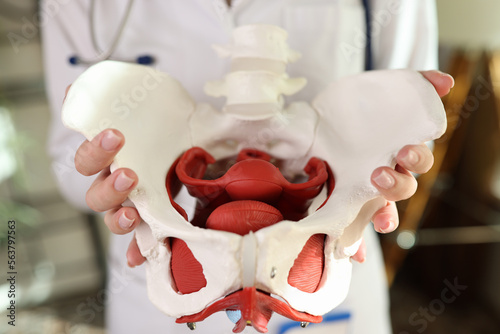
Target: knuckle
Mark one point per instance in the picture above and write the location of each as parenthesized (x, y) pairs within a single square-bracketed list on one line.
[(429, 162), (96, 199), (90, 159), (83, 159), (426, 158), (109, 219), (89, 199), (408, 187), (404, 188), (79, 163), (85, 172)]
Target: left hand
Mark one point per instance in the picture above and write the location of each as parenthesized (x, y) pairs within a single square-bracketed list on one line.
[(399, 184)]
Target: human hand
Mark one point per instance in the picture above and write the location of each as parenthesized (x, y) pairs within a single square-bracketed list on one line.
[(398, 183), (110, 190)]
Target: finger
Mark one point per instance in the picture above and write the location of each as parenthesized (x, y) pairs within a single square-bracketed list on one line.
[(66, 92), (386, 219), (415, 158), (360, 255), (394, 184), (122, 220), (134, 256), (443, 82), (93, 156), (110, 190)]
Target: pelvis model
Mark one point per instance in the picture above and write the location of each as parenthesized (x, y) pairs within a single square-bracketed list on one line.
[(283, 193)]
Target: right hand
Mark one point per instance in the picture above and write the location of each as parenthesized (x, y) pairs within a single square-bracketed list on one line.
[(110, 190)]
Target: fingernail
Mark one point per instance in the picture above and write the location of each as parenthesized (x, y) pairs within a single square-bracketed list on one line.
[(125, 222), (123, 182), (362, 257), (110, 141), (411, 158), (446, 75), (389, 227), (452, 81), (384, 180)]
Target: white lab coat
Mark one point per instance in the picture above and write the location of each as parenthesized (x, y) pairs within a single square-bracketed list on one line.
[(179, 34)]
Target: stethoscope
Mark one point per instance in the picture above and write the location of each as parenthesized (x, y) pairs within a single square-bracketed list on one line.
[(106, 54), (149, 59), (368, 48)]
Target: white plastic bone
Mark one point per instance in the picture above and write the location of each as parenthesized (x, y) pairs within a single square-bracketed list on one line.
[(257, 79), (356, 125), (259, 41), (254, 95)]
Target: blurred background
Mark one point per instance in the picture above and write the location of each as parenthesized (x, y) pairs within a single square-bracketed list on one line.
[(449, 233)]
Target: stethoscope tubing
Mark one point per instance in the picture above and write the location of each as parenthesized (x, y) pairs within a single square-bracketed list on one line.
[(148, 59), (104, 55)]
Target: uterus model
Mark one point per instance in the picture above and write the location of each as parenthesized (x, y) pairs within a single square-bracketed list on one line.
[(283, 193)]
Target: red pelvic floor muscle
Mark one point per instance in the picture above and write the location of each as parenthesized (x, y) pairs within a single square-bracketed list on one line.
[(307, 269), (256, 308), (241, 217), (236, 203), (187, 272)]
